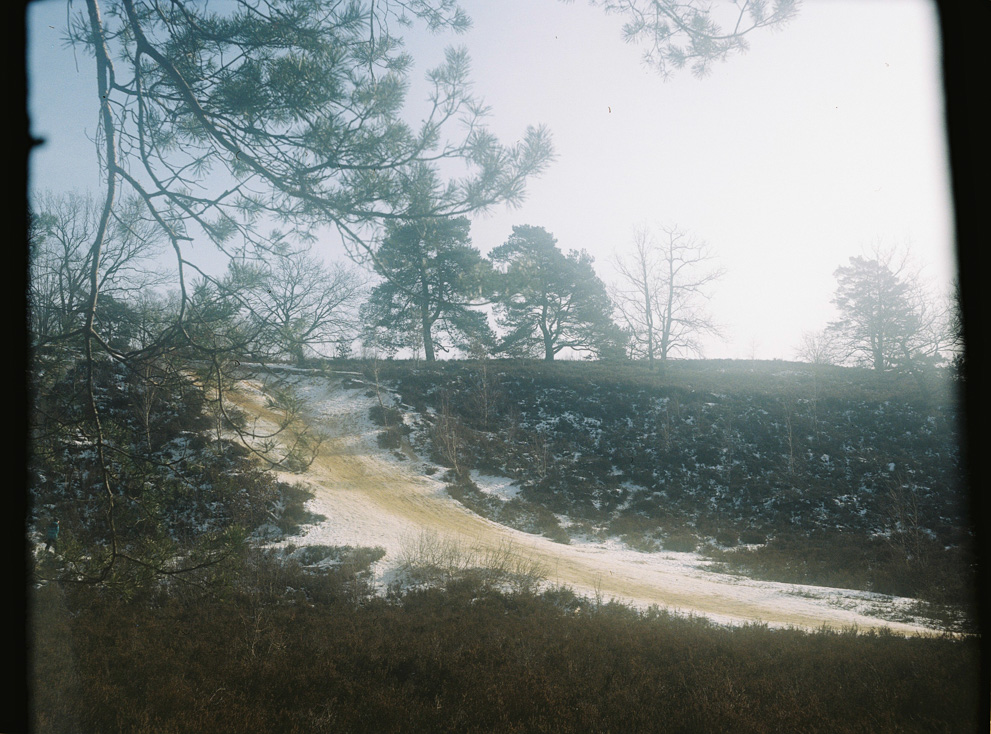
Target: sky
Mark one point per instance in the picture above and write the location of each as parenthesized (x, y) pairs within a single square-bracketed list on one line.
[(825, 138)]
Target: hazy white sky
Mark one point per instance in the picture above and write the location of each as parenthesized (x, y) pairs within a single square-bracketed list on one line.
[(825, 137)]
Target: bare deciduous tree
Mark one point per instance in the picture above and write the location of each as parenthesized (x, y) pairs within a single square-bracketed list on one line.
[(665, 285), (818, 347), (62, 256), (298, 306)]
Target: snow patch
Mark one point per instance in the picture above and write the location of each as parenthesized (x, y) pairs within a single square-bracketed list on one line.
[(502, 487), (680, 582)]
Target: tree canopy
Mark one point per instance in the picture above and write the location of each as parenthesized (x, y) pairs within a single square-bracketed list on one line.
[(662, 298), (296, 305), (60, 238), (289, 112), (432, 278), (691, 33), (887, 320), (549, 301)]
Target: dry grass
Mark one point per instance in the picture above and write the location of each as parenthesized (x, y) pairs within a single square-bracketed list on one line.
[(426, 556), (282, 651)]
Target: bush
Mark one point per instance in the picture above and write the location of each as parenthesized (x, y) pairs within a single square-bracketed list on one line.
[(389, 417), (349, 558), (682, 542), (391, 438), (282, 651), (735, 451), (752, 537), (727, 537)]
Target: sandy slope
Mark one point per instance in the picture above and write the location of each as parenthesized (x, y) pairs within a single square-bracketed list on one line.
[(372, 498)]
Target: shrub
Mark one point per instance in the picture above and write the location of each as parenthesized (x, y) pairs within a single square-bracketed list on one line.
[(727, 537), (750, 536), (382, 415), (391, 438), (683, 542), (277, 653)]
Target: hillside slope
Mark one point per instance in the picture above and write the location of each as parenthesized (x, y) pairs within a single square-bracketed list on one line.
[(787, 472), (370, 497)]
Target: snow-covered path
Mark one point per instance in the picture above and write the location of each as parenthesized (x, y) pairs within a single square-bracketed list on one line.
[(372, 498)]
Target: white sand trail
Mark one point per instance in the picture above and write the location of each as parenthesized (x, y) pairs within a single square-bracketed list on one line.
[(371, 498)]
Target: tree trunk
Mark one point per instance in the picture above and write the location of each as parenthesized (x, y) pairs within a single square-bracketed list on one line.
[(546, 332), (428, 342), (648, 310), (425, 320), (298, 355)]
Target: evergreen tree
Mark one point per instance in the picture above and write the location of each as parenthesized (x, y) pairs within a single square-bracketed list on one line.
[(887, 321), (433, 276), (549, 301)]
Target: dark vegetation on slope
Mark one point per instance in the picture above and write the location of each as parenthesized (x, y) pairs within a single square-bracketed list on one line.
[(296, 640), (783, 471), (282, 649), (186, 493)]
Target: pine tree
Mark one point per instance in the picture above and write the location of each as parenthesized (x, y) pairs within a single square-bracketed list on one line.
[(433, 276), (549, 301)]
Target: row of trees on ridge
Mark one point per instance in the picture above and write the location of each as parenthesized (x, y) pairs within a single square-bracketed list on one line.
[(431, 294), (545, 301), (435, 293)]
